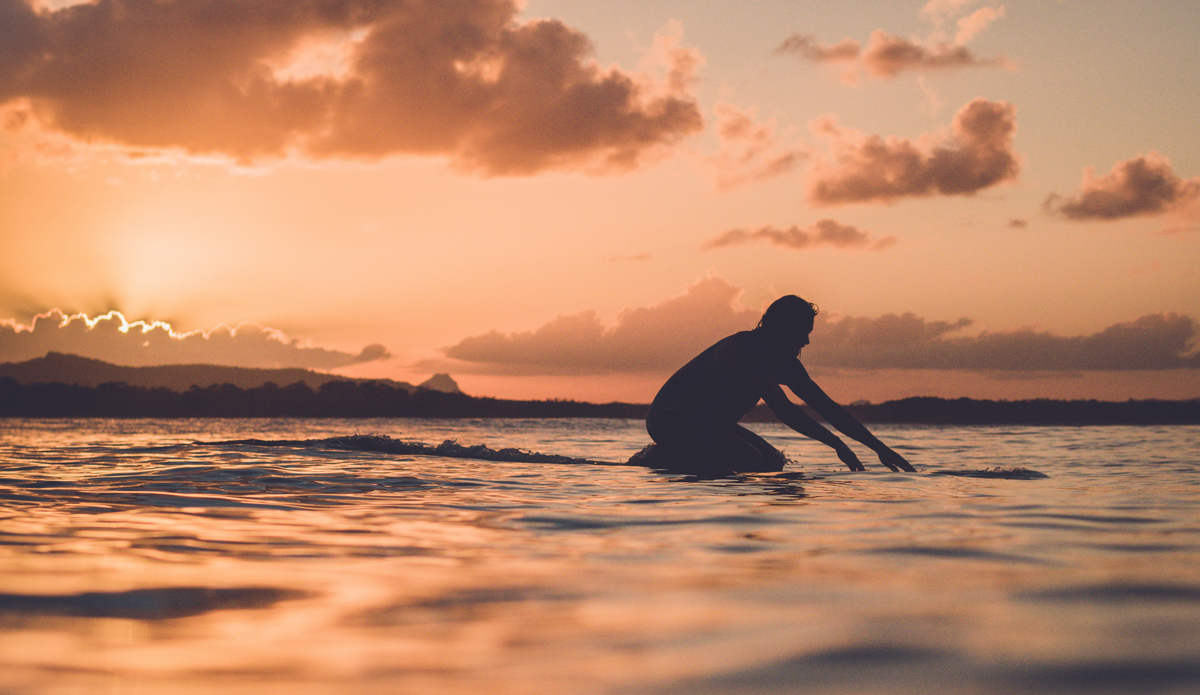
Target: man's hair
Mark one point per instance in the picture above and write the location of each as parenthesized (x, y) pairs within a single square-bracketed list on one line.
[(788, 310)]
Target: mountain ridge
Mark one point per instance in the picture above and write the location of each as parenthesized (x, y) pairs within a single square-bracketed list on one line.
[(59, 367)]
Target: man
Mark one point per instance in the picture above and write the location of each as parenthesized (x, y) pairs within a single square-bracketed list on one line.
[(694, 418)]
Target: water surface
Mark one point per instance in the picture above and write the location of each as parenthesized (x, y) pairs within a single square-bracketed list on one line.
[(173, 556)]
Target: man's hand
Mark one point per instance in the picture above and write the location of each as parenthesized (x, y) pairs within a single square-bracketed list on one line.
[(895, 461), (849, 458)]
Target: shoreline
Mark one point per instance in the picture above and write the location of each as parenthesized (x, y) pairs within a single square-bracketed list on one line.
[(357, 400)]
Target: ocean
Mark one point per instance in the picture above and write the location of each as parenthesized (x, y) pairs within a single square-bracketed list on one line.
[(292, 556)]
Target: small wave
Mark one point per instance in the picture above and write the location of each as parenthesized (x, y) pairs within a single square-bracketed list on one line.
[(146, 604), (1120, 592), (1016, 473), (447, 449)]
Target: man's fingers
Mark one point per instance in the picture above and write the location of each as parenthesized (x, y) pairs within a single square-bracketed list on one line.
[(891, 459)]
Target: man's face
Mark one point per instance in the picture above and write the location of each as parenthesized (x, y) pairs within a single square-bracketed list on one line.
[(798, 337)]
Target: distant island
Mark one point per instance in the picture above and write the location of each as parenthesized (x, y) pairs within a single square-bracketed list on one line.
[(68, 386), (57, 367)]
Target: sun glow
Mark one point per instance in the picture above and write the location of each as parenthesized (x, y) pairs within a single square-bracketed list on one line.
[(55, 5), (125, 325)]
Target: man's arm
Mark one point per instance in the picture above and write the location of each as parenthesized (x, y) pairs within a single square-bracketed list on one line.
[(794, 416), (807, 390)]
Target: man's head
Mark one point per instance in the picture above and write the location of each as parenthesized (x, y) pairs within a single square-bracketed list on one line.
[(788, 321)]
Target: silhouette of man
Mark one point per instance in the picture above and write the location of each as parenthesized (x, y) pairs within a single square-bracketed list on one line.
[(694, 418)]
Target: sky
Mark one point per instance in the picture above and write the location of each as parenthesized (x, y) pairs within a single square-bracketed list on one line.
[(569, 199)]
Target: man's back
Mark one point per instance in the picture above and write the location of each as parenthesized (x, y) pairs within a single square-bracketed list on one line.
[(719, 385)]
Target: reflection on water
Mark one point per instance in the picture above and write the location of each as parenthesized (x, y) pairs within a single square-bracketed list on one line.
[(178, 557)]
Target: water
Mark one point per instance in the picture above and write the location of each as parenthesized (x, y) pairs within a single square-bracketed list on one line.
[(159, 556)]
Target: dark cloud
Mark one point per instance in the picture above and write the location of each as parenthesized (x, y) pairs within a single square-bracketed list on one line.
[(663, 337), (886, 56), (1144, 185), (458, 78), (823, 232), (809, 48), (978, 154), (113, 339)]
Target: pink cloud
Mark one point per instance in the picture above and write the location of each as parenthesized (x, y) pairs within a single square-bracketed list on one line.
[(976, 22), (1143, 185), (461, 79), (112, 338), (653, 338), (823, 232), (751, 149), (978, 154)]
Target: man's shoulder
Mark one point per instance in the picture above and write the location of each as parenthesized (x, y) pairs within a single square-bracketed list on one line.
[(747, 338), (742, 342)]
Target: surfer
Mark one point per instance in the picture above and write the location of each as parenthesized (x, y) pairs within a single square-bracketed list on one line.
[(694, 418)]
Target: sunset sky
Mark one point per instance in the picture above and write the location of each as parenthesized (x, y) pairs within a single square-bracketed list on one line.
[(568, 198)]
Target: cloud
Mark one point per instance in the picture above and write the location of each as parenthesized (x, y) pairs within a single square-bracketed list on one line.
[(1143, 185), (942, 12), (886, 56), (976, 22), (750, 149), (262, 79), (654, 339), (823, 232), (661, 338), (112, 338), (809, 48), (938, 11), (978, 154), (1155, 341)]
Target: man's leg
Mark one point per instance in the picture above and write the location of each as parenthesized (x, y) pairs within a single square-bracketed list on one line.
[(767, 459), (703, 451), (735, 452)]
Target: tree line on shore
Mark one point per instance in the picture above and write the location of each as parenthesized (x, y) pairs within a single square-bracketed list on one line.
[(362, 399), (346, 399)]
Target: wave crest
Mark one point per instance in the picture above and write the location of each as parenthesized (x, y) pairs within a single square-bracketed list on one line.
[(447, 449)]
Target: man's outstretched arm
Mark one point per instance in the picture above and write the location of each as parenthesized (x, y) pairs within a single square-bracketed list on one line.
[(793, 416), (804, 387)]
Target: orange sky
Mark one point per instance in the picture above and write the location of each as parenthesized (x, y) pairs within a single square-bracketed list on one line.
[(566, 199)]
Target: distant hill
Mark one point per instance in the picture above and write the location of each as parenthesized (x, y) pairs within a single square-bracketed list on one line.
[(440, 382), (57, 367), (59, 385)]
